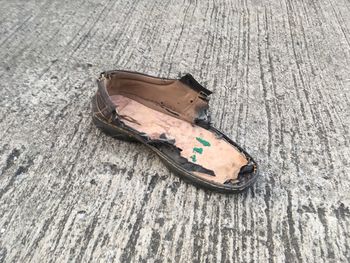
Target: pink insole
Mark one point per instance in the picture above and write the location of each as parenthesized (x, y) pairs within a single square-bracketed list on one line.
[(198, 145)]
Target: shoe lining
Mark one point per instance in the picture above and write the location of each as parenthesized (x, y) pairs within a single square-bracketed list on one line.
[(198, 145), (159, 94)]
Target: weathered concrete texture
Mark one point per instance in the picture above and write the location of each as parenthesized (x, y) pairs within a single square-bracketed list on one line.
[(281, 79)]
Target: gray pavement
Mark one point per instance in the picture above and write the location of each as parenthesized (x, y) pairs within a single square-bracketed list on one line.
[(281, 80)]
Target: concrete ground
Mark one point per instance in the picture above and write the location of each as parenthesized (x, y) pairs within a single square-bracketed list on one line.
[(280, 74)]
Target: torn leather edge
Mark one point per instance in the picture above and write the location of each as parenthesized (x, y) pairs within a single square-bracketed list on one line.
[(167, 146), (203, 118), (190, 81), (175, 153)]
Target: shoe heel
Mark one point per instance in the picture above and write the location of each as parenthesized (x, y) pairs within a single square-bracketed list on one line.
[(107, 129)]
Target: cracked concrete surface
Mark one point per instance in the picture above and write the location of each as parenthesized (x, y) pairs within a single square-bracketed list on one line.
[(281, 80)]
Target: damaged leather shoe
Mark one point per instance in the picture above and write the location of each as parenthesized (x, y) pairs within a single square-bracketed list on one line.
[(171, 117)]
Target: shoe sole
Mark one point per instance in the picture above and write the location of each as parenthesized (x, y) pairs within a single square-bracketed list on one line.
[(121, 134)]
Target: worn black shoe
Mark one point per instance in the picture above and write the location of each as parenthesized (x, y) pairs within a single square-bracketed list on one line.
[(171, 118)]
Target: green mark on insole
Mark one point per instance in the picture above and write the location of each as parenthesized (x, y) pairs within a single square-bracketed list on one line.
[(202, 141), (194, 159), (198, 150)]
